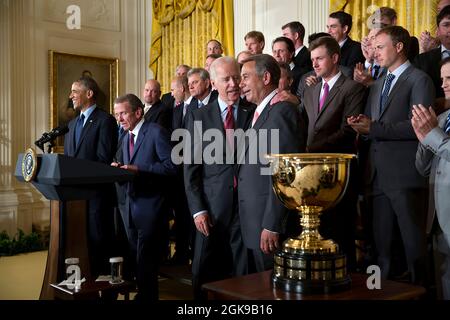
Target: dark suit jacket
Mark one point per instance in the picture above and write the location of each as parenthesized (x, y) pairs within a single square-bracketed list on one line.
[(392, 141), (210, 186), (168, 100), (152, 156), (351, 53), (328, 130), (429, 63), (303, 61), (259, 207), (98, 138), (160, 114), (146, 203)]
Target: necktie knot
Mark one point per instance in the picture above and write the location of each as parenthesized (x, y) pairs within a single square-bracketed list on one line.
[(326, 90)]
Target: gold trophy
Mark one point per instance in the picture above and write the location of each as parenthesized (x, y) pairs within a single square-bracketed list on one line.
[(310, 183)]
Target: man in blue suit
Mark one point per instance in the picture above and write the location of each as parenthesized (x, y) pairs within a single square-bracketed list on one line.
[(145, 151), (93, 136)]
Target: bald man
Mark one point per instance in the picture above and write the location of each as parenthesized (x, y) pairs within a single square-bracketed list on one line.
[(154, 109)]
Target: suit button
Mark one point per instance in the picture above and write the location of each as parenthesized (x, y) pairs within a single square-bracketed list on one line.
[(438, 172)]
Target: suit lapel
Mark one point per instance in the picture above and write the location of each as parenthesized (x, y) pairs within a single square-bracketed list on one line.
[(87, 127), (314, 107), (377, 87), (333, 92), (396, 87), (139, 140), (125, 150)]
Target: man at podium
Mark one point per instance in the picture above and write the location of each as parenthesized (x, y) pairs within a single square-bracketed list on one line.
[(93, 136)]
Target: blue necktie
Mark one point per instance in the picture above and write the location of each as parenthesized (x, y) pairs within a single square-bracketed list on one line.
[(78, 129), (200, 104), (384, 96), (447, 124)]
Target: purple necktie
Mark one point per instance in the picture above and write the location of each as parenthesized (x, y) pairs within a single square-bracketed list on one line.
[(326, 89)]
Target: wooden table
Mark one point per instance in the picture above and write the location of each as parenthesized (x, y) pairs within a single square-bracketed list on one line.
[(91, 290), (258, 286)]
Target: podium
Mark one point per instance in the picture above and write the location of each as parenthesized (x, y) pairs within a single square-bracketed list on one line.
[(68, 182)]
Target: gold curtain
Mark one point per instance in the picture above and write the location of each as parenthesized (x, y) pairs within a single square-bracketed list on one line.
[(414, 15), (180, 31)]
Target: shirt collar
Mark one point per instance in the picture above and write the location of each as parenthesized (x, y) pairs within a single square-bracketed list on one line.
[(136, 129), (400, 69), (188, 100), (206, 100), (265, 102), (332, 81), (341, 44), (298, 50), (88, 112)]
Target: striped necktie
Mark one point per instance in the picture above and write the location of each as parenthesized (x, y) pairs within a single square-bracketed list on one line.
[(447, 124)]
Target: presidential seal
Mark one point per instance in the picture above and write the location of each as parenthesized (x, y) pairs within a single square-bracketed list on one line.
[(29, 165)]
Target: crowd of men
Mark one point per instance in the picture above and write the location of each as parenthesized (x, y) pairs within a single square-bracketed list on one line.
[(380, 99)]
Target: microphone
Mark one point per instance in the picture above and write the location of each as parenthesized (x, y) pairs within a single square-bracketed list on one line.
[(50, 136)]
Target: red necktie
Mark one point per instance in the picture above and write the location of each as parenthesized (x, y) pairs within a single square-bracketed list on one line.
[(228, 125), (326, 89), (131, 145)]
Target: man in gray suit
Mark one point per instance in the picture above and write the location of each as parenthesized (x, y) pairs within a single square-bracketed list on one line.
[(395, 190), (211, 187), (261, 214), (433, 160)]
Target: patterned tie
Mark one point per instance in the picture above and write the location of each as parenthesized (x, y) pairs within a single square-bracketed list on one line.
[(326, 90), (447, 124), (384, 96), (228, 125), (255, 117), (131, 145), (376, 72), (78, 129)]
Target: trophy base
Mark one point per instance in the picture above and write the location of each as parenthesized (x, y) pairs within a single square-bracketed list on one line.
[(310, 273), (312, 286)]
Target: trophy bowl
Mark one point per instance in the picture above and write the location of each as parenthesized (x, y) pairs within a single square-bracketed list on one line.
[(310, 183)]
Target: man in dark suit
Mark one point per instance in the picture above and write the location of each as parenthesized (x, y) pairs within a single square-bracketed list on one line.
[(327, 105), (262, 215), (395, 190), (146, 151), (167, 98), (154, 109), (428, 61), (201, 90), (296, 32), (339, 26), (283, 51), (211, 186), (93, 136), (184, 226)]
